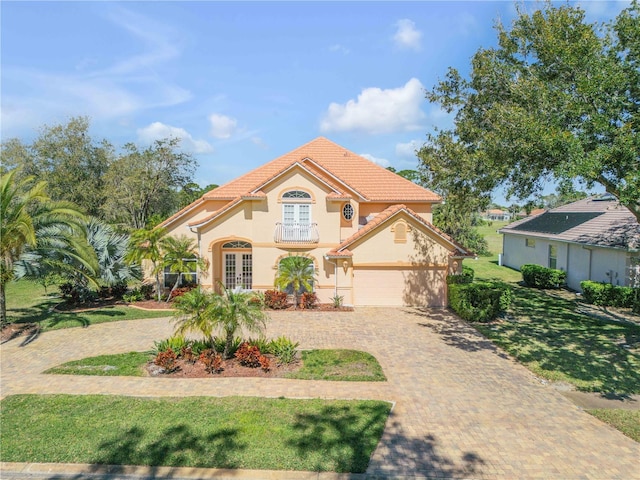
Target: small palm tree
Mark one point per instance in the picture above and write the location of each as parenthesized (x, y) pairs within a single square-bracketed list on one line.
[(295, 272), (207, 312), (29, 220), (180, 255), (144, 244)]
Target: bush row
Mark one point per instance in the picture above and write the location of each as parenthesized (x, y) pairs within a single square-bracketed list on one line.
[(479, 302), (607, 295), (465, 277), (542, 277)]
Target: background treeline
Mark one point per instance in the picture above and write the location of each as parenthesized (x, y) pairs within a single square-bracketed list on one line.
[(128, 186)]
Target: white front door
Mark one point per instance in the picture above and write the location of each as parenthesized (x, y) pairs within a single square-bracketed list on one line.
[(238, 270)]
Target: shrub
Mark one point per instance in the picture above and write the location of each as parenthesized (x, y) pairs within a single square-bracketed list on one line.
[(481, 301), (176, 344), (199, 346), (166, 359), (186, 353), (607, 295), (309, 300), (248, 355), (275, 300), (337, 301), (261, 342), (283, 348), (147, 291), (264, 363), (74, 293), (180, 291), (212, 360), (219, 343), (134, 295), (542, 277), (461, 278)]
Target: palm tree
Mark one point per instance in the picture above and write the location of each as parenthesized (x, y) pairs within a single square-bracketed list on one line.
[(180, 256), (295, 272), (207, 312), (30, 220), (144, 244)]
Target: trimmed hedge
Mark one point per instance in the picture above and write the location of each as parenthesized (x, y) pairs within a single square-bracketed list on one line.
[(465, 277), (480, 301), (607, 295), (542, 277)]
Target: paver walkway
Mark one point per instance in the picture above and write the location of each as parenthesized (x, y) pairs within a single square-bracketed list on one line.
[(462, 408)]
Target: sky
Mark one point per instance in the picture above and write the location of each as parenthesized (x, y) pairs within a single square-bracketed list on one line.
[(242, 83)]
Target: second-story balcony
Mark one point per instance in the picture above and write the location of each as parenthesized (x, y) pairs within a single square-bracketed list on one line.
[(296, 233)]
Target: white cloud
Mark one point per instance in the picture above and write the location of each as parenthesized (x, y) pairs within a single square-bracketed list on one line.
[(222, 126), (407, 36), (339, 48), (383, 162), (378, 111), (158, 131), (408, 150)]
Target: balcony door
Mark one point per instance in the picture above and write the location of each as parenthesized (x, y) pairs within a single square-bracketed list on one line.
[(296, 216), (238, 265)]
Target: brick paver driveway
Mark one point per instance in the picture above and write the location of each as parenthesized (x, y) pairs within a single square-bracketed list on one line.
[(462, 408)]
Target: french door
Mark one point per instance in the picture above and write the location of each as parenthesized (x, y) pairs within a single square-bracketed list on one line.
[(296, 221), (238, 270)]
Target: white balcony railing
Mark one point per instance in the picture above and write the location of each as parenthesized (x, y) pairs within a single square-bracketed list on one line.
[(296, 233)]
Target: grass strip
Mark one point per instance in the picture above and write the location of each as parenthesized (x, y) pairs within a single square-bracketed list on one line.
[(123, 364), (229, 432), (341, 365), (627, 421)]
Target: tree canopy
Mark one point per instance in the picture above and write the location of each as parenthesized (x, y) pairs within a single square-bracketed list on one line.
[(557, 99)]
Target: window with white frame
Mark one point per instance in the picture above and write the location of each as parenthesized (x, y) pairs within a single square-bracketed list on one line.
[(186, 279)]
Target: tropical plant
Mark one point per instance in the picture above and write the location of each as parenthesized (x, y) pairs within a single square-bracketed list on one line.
[(180, 257), (33, 227), (295, 273), (144, 244)]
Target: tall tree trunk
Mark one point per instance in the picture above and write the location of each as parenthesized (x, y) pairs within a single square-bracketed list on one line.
[(175, 285), (227, 345), (3, 305)]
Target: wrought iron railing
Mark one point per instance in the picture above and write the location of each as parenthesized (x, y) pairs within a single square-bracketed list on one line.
[(296, 233)]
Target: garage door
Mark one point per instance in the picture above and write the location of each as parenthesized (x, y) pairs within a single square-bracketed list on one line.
[(397, 287)]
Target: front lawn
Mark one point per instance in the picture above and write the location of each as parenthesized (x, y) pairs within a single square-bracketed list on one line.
[(230, 432), (627, 421), (344, 365), (28, 302), (123, 364)]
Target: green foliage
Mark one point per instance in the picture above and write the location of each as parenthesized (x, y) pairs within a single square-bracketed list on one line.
[(465, 277), (627, 421), (556, 99), (122, 364), (275, 300), (175, 343), (481, 301), (537, 276), (199, 346), (145, 245), (180, 257), (337, 301), (607, 295), (220, 343), (295, 274), (455, 218), (283, 348), (261, 342)]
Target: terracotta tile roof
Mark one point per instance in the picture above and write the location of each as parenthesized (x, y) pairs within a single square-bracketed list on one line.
[(591, 221), (343, 171), (357, 173), (387, 214), (344, 253)]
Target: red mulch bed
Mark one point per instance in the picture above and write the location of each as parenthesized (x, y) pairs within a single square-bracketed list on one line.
[(230, 368)]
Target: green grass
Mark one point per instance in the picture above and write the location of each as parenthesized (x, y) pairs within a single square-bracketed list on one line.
[(28, 302), (124, 364), (229, 432), (342, 365), (627, 421)]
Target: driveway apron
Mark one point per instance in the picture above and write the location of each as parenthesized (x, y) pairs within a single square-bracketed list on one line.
[(462, 408)]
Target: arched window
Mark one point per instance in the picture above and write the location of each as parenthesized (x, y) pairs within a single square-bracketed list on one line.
[(237, 244), (297, 194)]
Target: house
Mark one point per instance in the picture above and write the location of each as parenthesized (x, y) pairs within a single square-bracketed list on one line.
[(495, 214), (591, 239), (367, 230)]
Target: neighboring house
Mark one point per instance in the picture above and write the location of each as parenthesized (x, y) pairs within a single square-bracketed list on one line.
[(592, 239), (367, 230), (496, 214)]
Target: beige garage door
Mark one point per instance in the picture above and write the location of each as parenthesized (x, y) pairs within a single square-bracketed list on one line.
[(394, 287)]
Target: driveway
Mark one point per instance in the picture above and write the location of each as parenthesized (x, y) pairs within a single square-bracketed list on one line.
[(463, 409)]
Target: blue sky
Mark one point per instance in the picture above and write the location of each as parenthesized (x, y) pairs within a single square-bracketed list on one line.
[(243, 82)]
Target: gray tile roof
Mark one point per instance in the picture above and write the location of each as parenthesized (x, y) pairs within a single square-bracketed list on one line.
[(593, 221)]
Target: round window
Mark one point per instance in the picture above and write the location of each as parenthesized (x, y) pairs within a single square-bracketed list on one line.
[(347, 211)]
